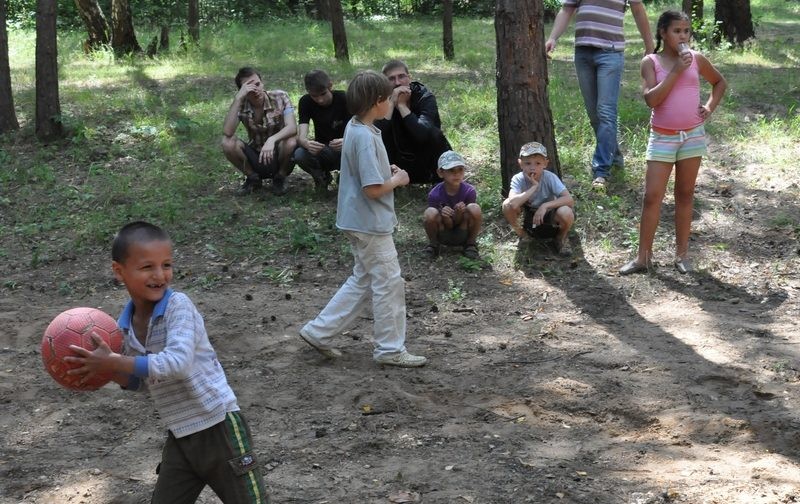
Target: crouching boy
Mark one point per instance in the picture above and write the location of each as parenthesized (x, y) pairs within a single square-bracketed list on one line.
[(542, 198), (453, 217)]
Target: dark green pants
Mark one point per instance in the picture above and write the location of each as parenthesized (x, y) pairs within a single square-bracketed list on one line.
[(221, 457)]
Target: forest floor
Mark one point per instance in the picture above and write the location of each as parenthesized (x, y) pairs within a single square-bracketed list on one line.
[(549, 380)]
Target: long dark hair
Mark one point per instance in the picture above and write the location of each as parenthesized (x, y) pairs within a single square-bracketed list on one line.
[(665, 20)]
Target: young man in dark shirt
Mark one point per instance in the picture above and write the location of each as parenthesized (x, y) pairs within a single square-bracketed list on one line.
[(411, 131), (328, 111)]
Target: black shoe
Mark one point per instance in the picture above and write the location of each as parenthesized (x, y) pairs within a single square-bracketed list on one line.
[(251, 185), (279, 186)]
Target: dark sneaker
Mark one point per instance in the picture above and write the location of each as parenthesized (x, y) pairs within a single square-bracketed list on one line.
[(251, 185), (471, 252), (279, 186), (431, 251)]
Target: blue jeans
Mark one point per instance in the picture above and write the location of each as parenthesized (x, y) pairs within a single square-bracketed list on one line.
[(599, 77)]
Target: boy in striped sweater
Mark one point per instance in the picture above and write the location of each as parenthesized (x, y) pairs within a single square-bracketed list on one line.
[(167, 352)]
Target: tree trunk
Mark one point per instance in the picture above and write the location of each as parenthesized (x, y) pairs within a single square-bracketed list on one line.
[(96, 24), (193, 20), (523, 106), (48, 109), (339, 34), (447, 29), (8, 117), (734, 20), (694, 9), (123, 39), (323, 10), (164, 45)]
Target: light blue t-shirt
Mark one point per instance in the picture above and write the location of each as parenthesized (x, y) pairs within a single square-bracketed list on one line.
[(549, 187), (364, 163)]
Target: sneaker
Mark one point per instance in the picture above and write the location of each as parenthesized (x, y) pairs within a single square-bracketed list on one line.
[(599, 183), (321, 177), (251, 185), (328, 353), (563, 248), (471, 252), (279, 186), (402, 359), (431, 251)]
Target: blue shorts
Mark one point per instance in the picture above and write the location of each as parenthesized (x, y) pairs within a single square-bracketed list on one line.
[(675, 147)]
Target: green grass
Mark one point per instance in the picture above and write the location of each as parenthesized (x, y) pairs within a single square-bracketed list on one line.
[(143, 136)]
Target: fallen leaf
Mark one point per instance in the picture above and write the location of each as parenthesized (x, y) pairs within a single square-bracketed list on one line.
[(404, 497), (366, 408)]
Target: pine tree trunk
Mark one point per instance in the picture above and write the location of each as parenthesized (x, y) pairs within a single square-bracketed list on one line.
[(323, 10), (164, 44), (48, 108), (735, 21), (693, 9), (123, 39), (523, 106), (447, 29), (96, 24), (8, 116), (339, 33), (193, 20)]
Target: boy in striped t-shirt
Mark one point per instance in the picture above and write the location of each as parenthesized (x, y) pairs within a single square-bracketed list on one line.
[(599, 61), (167, 352)]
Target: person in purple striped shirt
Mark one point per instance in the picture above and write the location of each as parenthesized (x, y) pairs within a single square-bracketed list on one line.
[(599, 62)]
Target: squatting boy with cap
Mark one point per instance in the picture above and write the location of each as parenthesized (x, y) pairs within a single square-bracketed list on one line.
[(546, 202), (453, 217)]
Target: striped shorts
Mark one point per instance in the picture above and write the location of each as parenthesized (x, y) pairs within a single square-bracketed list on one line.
[(669, 148)]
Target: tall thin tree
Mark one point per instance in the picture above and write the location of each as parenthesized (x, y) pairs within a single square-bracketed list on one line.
[(734, 20), (8, 116), (123, 38), (48, 107), (96, 24), (193, 20), (339, 33), (447, 29), (523, 106)]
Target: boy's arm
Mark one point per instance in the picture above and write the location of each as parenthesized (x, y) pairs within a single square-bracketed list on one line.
[(564, 199), (101, 360), (399, 178), (289, 130), (232, 117), (421, 122)]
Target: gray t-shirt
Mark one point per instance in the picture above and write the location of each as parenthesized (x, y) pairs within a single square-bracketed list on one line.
[(549, 187), (364, 163)]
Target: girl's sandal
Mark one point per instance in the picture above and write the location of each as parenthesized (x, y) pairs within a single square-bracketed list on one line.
[(633, 267)]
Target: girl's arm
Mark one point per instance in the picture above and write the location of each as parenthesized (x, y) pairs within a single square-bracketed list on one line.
[(717, 81), (656, 92)]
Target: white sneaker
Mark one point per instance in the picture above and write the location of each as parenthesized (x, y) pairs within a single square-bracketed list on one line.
[(402, 359), (328, 353)]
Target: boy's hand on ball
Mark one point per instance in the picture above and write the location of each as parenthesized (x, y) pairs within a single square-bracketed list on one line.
[(97, 360)]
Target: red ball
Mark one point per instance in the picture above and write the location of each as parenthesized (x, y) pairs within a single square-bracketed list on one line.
[(75, 327)]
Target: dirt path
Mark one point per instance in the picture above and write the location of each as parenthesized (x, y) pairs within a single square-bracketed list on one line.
[(554, 381)]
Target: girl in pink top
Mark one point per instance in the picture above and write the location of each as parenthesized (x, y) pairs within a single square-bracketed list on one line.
[(671, 87)]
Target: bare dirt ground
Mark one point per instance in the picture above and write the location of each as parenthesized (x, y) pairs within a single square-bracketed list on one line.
[(551, 381)]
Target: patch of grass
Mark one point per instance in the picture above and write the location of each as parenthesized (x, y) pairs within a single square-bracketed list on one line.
[(143, 136), (455, 291)]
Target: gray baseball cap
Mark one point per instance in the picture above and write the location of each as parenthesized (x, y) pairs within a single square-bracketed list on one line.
[(450, 159), (531, 148)]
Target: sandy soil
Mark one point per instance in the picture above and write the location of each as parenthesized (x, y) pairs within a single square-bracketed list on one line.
[(551, 380)]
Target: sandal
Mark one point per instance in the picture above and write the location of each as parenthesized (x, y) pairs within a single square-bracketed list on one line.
[(431, 251), (634, 267), (471, 252), (563, 248), (683, 266)]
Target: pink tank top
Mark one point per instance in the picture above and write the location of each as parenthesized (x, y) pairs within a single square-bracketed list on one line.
[(678, 111)]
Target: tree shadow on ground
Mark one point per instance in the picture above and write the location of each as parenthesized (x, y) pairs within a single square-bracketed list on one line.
[(606, 302)]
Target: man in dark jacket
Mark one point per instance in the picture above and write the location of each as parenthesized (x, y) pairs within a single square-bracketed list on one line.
[(411, 130)]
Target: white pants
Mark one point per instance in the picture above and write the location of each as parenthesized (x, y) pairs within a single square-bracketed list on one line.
[(376, 279)]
